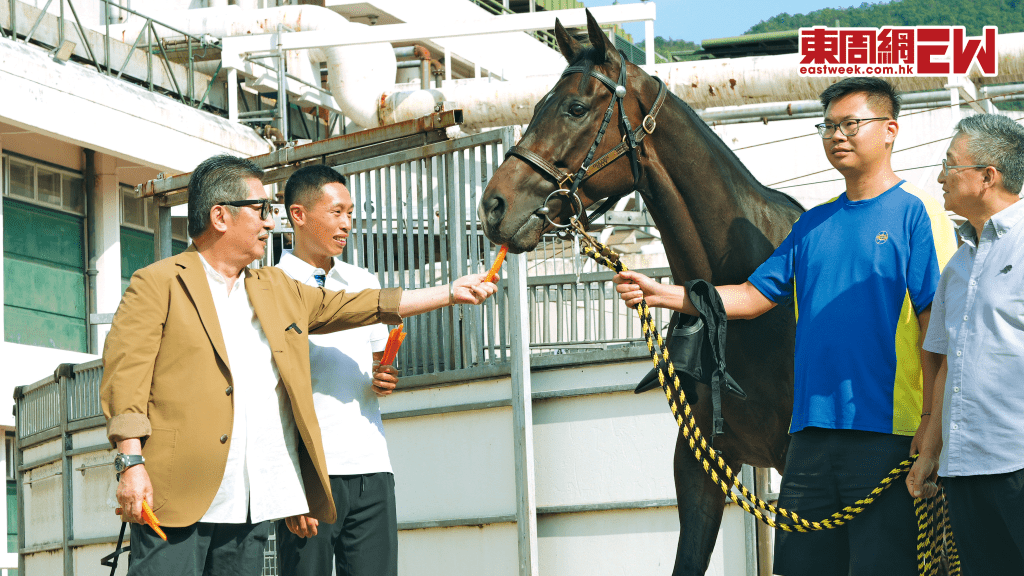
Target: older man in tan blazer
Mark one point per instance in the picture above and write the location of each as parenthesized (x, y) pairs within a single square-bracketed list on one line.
[(206, 383)]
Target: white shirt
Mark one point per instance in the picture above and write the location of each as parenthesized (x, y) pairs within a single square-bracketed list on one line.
[(977, 321), (341, 367), (261, 479)]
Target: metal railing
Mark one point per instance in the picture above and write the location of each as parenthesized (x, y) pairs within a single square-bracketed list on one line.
[(415, 225), (148, 40)]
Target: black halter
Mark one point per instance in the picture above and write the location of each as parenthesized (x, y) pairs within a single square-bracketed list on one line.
[(630, 143)]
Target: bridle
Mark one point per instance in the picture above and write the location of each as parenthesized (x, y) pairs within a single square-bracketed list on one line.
[(630, 143)]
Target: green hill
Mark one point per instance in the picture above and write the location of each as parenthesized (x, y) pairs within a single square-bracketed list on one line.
[(1008, 15)]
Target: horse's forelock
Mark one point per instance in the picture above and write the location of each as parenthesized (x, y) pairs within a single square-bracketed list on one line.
[(585, 57)]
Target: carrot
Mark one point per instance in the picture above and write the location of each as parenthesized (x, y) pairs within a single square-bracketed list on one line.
[(497, 264), (150, 518), (391, 348)]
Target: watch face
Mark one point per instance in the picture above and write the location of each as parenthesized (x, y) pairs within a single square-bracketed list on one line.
[(118, 464)]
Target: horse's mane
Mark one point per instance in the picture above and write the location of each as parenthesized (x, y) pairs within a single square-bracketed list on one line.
[(770, 194)]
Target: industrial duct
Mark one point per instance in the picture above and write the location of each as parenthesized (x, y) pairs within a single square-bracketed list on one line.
[(701, 84)]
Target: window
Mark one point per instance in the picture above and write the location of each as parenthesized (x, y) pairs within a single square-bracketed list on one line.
[(141, 213), (46, 185)]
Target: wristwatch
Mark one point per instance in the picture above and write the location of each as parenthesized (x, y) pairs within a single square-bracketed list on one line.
[(123, 462)]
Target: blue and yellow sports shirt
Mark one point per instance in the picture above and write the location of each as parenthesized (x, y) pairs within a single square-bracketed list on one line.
[(860, 272)]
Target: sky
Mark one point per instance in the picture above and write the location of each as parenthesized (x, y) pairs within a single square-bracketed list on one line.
[(701, 20)]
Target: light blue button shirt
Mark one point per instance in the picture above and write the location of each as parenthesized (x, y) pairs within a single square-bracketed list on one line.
[(977, 321)]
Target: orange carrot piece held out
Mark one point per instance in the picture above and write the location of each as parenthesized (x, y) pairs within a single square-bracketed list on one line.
[(391, 348), (497, 264), (150, 518)]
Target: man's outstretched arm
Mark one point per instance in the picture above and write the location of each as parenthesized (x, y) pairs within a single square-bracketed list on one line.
[(741, 301)]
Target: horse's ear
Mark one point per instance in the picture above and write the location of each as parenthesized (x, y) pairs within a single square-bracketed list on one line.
[(567, 45), (602, 45)]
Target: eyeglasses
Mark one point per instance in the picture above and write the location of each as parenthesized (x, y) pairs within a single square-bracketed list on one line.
[(263, 202), (946, 167), (848, 127)]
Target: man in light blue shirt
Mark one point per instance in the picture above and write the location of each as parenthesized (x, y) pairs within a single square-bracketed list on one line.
[(977, 329)]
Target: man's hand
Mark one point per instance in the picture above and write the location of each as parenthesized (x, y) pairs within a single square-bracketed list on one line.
[(471, 289), (632, 286), (922, 477), (133, 488), (302, 526), (385, 379)]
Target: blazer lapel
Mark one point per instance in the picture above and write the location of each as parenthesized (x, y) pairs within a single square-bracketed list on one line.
[(261, 295), (193, 276)]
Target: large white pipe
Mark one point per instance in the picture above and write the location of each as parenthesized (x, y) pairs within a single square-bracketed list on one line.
[(702, 84), (358, 75)]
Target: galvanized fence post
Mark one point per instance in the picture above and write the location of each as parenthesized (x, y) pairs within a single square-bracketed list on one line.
[(522, 417)]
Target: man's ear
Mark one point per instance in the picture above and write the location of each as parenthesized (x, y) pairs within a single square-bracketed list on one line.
[(298, 214), (218, 218), (892, 129)]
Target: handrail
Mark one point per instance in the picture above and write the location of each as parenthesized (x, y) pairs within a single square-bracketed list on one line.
[(149, 29)]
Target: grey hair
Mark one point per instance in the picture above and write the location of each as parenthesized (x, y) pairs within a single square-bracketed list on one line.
[(998, 141), (217, 179)]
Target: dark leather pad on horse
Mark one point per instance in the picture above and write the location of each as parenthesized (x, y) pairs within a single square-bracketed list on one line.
[(690, 356)]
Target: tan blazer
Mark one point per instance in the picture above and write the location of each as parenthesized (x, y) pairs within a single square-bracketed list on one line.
[(166, 378)]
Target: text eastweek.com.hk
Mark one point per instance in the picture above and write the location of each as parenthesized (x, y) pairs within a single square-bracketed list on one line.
[(896, 51)]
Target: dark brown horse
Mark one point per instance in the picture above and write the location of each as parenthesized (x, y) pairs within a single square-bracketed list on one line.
[(717, 222)]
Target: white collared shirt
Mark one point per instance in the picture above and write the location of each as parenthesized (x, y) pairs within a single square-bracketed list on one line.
[(341, 367), (977, 321), (261, 480)]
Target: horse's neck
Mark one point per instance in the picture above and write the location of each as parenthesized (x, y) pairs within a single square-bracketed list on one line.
[(699, 192)]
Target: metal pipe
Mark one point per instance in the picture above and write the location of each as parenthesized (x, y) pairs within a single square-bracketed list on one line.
[(282, 84), (706, 84)]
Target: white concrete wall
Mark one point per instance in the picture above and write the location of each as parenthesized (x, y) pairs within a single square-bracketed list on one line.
[(590, 449)]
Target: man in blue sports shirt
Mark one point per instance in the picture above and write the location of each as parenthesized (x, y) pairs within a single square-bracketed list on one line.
[(862, 269)]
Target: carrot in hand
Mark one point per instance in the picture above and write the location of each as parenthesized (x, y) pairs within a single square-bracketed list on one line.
[(391, 348), (150, 518), (497, 264)]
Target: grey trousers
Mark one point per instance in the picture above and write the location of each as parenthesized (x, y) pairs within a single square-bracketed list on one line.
[(364, 540), (202, 549)]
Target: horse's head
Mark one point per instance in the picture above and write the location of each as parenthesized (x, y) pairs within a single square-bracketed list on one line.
[(519, 202)]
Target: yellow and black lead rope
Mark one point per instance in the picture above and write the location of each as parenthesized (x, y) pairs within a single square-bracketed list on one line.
[(935, 537)]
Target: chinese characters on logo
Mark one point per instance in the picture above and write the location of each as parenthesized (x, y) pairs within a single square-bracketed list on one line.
[(896, 51)]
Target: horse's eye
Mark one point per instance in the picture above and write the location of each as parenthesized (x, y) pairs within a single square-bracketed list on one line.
[(577, 109)]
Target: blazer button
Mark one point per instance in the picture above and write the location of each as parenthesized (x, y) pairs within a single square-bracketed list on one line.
[(224, 439), (228, 390)]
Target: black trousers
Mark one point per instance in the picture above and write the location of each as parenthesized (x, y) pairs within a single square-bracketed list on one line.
[(202, 549), (829, 469), (987, 512), (364, 540)]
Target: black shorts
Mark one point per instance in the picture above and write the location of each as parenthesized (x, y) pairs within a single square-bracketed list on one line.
[(987, 512), (829, 469)]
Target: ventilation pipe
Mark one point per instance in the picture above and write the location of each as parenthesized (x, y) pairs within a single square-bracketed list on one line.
[(701, 84), (357, 75)]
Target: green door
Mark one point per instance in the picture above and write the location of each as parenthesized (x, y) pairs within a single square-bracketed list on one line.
[(137, 252), (44, 277)]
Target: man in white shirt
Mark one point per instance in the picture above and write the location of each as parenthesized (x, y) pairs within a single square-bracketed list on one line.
[(206, 383), (977, 333), (347, 380)]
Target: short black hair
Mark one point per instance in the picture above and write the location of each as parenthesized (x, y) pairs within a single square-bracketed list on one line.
[(879, 92), (306, 186), (217, 179)]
